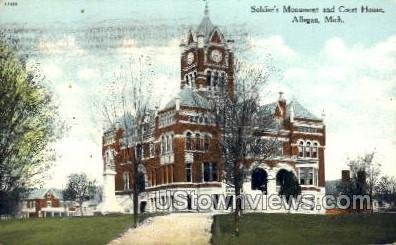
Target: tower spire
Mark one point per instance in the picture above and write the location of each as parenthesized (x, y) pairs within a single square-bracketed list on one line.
[(206, 8)]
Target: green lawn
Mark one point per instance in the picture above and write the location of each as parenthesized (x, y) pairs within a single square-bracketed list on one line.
[(71, 230), (306, 229)]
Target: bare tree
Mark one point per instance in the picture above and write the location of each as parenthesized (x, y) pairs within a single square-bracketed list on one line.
[(130, 104), (240, 120)]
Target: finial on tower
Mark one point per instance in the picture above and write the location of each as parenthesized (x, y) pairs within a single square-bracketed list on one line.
[(206, 8)]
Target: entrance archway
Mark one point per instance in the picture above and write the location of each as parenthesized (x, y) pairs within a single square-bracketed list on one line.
[(287, 183), (259, 180), (143, 205)]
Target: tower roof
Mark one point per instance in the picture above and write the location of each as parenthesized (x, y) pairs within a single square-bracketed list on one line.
[(188, 98), (206, 26)]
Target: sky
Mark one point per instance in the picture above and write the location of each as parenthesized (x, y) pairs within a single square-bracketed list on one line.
[(347, 70)]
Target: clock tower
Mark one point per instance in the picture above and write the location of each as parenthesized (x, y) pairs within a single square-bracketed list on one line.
[(207, 58)]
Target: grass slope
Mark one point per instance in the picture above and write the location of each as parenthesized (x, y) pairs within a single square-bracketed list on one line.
[(306, 229), (71, 230)]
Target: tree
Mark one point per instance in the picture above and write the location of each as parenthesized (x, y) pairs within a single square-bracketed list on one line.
[(130, 104), (29, 124), (78, 188), (238, 115), (386, 189), (371, 169), (365, 176), (289, 186)]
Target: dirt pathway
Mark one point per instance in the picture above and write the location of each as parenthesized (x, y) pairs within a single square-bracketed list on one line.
[(189, 228)]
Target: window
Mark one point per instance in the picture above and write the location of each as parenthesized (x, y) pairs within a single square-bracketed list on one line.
[(197, 142), (208, 78), (126, 180), (187, 81), (206, 142), (306, 176), (222, 79), (194, 79), (209, 171), (308, 149), (215, 78), (190, 79), (151, 149), (167, 144), (188, 141), (163, 145), (301, 149), (315, 150), (170, 142), (49, 204), (188, 170)]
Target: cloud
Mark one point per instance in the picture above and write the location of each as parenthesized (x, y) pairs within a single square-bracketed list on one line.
[(88, 74), (63, 46), (355, 84), (274, 45)]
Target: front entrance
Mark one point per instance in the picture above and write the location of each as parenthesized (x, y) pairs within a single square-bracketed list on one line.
[(143, 206), (259, 180)]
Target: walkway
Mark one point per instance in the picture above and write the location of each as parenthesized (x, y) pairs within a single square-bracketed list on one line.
[(176, 228)]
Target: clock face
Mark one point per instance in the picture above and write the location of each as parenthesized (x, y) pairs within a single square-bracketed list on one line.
[(216, 56), (190, 58)]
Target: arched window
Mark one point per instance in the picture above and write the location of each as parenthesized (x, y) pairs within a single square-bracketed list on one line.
[(315, 150), (222, 79), (206, 142), (188, 141), (171, 143), (301, 149), (167, 144), (194, 79), (163, 145), (215, 79), (187, 81), (190, 79), (125, 177), (208, 78), (197, 142), (308, 149)]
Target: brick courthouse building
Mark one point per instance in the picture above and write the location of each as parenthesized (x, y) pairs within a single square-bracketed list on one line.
[(181, 148)]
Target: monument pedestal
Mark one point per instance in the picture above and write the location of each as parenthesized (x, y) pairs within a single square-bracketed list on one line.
[(109, 204)]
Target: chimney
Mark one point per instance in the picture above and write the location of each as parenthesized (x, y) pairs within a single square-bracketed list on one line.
[(323, 115), (177, 102), (230, 44), (292, 112), (117, 125), (345, 176), (282, 104)]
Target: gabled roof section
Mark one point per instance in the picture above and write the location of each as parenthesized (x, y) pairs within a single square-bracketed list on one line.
[(300, 111), (40, 193), (188, 98)]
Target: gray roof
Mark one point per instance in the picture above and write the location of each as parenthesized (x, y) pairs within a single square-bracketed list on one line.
[(40, 193), (267, 111), (205, 27), (188, 98), (300, 111)]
